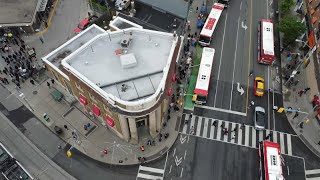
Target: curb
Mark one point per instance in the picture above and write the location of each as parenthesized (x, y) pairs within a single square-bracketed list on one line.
[(53, 164)]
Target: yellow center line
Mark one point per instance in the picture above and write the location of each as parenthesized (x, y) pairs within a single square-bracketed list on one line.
[(250, 27)]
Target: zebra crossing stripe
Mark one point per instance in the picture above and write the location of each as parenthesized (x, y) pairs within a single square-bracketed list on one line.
[(199, 126), (282, 143), (212, 129), (260, 135), (205, 129), (289, 146), (192, 123), (275, 137), (254, 138), (240, 136), (185, 126), (233, 125), (247, 133), (149, 169), (219, 130), (313, 171)]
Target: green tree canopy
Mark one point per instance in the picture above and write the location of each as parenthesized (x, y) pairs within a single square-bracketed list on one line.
[(285, 6), (292, 28)]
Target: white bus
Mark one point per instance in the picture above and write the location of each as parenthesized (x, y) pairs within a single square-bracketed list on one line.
[(204, 74), (270, 161), (265, 42), (210, 25)]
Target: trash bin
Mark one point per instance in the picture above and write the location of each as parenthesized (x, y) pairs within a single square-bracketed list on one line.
[(58, 130), (45, 117)]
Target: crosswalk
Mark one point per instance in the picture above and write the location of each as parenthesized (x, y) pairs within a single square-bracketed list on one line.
[(313, 174), (145, 172), (237, 134)]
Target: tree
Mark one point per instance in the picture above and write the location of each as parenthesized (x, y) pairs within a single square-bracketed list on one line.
[(292, 28), (285, 6)]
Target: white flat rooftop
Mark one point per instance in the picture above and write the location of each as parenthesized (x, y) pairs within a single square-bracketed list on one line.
[(129, 73)]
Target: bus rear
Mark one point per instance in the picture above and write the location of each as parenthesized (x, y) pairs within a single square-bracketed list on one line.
[(210, 24)]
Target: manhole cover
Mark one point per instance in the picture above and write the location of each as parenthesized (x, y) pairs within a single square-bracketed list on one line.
[(35, 92)]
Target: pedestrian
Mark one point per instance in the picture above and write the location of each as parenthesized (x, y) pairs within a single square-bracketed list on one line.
[(235, 129), (214, 123), (225, 131), (85, 127), (197, 8), (251, 73), (222, 125), (32, 81), (301, 92), (275, 108), (6, 80), (305, 90), (52, 81), (66, 127), (233, 137), (18, 85), (48, 84), (295, 115), (41, 39), (149, 142)]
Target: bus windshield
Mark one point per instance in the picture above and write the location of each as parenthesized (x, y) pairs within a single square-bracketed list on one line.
[(201, 98), (204, 39)]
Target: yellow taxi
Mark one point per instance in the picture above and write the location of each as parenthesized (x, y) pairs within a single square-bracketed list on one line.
[(258, 86)]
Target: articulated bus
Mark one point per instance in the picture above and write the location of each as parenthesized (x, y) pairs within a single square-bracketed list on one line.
[(10, 168), (210, 25), (204, 74), (265, 42), (270, 161)]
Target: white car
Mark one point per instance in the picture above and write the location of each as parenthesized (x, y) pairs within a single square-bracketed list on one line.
[(259, 118)]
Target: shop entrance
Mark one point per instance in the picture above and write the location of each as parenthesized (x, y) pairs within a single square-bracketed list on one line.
[(142, 127)]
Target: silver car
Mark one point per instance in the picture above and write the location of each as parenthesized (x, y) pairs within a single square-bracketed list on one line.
[(259, 118)]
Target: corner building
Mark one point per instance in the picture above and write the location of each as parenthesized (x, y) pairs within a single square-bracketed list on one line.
[(122, 78)]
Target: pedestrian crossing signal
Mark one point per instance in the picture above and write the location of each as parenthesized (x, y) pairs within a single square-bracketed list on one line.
[(69, 154)]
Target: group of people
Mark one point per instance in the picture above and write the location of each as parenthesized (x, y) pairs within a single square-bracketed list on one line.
[(19, 63)]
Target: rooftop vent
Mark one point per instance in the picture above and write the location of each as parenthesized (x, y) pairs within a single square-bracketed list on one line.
[(125, 42), (128, 60)]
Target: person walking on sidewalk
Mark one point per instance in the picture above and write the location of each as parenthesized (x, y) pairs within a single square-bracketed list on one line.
[(48, 84), (295, 115), (301, 92), (66, 127), (32, 81), (214, 123)]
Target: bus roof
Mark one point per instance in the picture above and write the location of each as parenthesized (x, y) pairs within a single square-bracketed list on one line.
[(212, 20), (204, 73), (272, 160), (267, 37)]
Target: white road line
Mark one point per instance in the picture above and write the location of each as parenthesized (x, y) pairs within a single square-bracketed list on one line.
[(205, 128), (260, 135), (247, 134), (218, 77), (192, 122), (314, 178), (234, 61), (313, 171), (212, 129), (282, 143), (239, 135), (254, 138), (150, 169), (219, 130), (221, 110), (225, 137), (268, 100), (289, 146), (185, 126), (273, 112), (199, 126), (275, 137), (147, 176)]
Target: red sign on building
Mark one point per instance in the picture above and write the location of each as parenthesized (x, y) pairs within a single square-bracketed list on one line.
[(83, 100), (110, 121), (96, 110)]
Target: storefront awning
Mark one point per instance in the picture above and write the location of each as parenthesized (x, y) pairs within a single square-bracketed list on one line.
[(110, 121), (83, 100), (96, 110)]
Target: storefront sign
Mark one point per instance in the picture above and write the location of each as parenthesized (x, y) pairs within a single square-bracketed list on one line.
[(83, 100), (110, 121), (96, 110)]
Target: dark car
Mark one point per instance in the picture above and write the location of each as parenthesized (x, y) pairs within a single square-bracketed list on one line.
[(224, 2)]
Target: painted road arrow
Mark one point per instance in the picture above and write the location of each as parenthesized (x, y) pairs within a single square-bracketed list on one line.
[(244, 26), (240, 89), (183, 139), (178, 161)]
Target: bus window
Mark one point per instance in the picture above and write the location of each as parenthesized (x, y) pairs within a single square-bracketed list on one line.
[(204, 39)]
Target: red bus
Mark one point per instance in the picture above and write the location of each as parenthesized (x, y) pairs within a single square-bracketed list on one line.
[(265, 42), (270, 161), (210, 25)]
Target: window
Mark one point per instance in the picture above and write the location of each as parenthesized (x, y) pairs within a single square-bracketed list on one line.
[(273, 160)]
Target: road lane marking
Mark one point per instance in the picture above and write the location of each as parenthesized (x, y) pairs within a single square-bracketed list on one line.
[(219, 130), (240, 135), (313, 171), (260, 135), (268, 98), (205, 128), (289, 146), (199, 126), (282, 143), (275, 137), (249, 53), (225, 137), (247, 133), (224, 33), (212, 129), (254, 138), (185, 126), (149, 169), (234, 61), (221, 110), (192, 124)]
